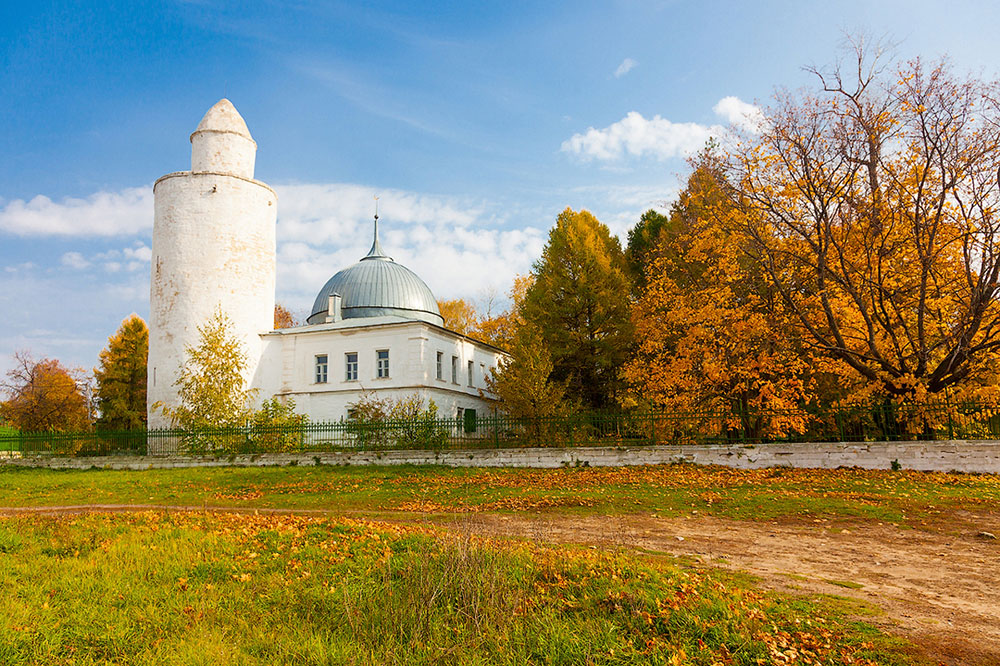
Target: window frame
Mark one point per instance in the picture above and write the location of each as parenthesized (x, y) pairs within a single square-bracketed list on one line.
[(379, 365), (440, 366), (348, 367), (321, 370)]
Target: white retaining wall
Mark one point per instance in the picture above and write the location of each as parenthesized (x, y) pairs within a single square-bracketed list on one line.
[(943, 456)]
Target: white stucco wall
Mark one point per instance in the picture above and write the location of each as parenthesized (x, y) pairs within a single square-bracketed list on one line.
[(976, 457), (213, 247), (223, 151), (288, 365)]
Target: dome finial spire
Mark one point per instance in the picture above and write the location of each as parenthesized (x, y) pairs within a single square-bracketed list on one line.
[(376, 251)]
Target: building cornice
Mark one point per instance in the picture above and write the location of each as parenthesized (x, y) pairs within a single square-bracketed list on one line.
[(178, 174), (316, 329)]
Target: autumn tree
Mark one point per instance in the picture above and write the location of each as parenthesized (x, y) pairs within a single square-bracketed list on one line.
[(499, 329), (872, 204), (711, 333), (459, 316), (43, 396), (211, 386), (523, 384), (579, 304), (283, 318), (643, 240), (121, 377)]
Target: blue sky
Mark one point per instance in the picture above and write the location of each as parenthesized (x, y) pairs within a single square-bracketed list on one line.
[(476, 123)]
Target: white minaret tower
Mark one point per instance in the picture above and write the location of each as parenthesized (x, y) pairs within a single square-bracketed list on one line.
[(213, 247)]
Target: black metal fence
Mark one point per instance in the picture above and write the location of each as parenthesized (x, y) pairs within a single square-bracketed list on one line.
[(884, 421)]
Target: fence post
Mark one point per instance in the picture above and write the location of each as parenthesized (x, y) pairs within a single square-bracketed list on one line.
[(947, 406)]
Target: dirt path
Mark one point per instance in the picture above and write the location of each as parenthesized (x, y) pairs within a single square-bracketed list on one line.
[(940, 587)]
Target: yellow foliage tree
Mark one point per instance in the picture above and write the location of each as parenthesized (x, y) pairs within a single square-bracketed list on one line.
[(873, 207), (499, 330), (459, 316), (211, 385), (522, 384), (283, 318), (121, 377)]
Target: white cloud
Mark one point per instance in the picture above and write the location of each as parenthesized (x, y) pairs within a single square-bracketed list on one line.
[(127, 212), (325, 213), (625, 67), (457, 246), (139, 252), (635, 136), (739, 113), (74, 260), (657, 137), (460, 246), (113, 260)]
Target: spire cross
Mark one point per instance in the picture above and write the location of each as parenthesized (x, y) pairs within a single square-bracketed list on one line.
[(376, 251)]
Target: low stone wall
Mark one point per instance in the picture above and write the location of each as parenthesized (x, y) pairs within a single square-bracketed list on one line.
[(943, 456)]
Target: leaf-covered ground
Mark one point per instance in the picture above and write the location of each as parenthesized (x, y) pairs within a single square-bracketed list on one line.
[(194, 588), (904, 497), (818, 535)]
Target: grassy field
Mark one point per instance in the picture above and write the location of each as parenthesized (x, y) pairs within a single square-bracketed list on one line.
[(195, 588), (904, 497), (201, 588)]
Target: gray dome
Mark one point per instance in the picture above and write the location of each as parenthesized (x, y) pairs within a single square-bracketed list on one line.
[(377, 286)]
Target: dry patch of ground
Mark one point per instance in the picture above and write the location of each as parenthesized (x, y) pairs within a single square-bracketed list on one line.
[(937, 587)]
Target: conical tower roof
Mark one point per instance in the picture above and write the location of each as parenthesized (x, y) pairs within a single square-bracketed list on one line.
[(223, 117)]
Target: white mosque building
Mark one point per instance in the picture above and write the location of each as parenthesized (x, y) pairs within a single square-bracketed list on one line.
[(375, 327)]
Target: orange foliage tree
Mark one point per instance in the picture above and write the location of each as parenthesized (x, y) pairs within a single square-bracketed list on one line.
[(872, 206), (283, 318), (459, 316), (710, 333), (42, 396)]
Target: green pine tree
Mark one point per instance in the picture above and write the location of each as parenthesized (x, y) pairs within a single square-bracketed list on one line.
[(579, 303)]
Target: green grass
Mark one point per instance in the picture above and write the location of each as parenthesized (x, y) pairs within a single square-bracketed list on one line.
[(845, 583), (224, 589), (906, 498)]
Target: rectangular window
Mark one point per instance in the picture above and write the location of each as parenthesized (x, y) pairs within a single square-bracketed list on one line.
[(454, 369), (472, 375), (382, 364), (440, 364), (322, 366), (351, 367)]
